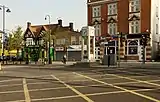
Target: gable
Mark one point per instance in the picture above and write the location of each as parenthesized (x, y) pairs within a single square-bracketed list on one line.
[(133, 18), (111, 20), (40, 34), (28, 34)]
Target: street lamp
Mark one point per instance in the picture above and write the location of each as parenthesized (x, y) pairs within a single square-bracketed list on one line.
[(4, 10), (49, 57)]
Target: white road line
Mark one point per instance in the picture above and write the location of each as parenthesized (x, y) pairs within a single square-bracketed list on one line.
[(26, 92), (10, 80), (121, 88), (73, 89)]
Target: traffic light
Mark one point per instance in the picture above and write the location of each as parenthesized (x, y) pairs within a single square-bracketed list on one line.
[(145, 38)]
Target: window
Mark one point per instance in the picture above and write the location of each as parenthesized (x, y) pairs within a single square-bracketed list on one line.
[(112, 9), (80, 39), (97, 30), (134, 6), (135, 27), (29, 41), (157, 31), (96, 11), (112, 28), (73, 40)]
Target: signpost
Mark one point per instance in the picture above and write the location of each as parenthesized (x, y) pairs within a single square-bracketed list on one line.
[(88, 36)]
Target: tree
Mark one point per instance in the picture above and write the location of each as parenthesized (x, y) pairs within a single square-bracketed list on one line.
[(16, 39)]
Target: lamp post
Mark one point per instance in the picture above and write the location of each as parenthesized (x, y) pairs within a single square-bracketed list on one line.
[(4, 10), (49, 57)]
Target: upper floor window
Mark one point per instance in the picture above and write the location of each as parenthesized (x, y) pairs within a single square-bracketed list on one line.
[(97, 29), (73, 40), (134, 27), (29, 41), (112, 9), (60, 41), (96, 11), (134, 5), (112, 28)]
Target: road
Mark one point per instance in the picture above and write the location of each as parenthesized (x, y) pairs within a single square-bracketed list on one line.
[(27, 84)]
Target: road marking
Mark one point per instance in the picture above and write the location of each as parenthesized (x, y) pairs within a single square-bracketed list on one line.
[(116, 92), (132, 79), (7, 92), (73, 89), (55, 98), (17, 101), (92, 94), (9, 80), (26, 92), (130, 91), (10, 85), (124, 83)]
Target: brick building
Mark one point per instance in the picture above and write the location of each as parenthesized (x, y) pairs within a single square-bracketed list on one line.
[(61, 37), (131, 18)]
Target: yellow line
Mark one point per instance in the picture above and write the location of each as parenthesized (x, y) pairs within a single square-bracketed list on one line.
[(138, 94), (26, 92), (132, 79), (116, 92), (73, 89)]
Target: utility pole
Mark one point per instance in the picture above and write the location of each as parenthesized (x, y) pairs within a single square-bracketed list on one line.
[(3, 8), (49, 57)]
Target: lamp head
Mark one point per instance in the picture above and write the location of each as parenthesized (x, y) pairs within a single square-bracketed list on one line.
[(8, 10)]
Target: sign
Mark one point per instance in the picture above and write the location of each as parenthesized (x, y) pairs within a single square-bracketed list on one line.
[(84, 31), (59, 49)]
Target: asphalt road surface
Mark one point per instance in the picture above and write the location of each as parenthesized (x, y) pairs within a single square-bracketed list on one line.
[(27, 84)]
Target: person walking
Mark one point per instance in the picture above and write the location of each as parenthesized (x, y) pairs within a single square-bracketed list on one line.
[(64, 59)]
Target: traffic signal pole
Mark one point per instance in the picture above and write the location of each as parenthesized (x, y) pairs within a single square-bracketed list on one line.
[(144, 57)]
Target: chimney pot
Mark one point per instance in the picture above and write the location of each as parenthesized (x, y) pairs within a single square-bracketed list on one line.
[(60, 22), (28, 24), (71, 26)]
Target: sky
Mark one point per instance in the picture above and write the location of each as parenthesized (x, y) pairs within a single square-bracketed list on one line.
[(34, 11)]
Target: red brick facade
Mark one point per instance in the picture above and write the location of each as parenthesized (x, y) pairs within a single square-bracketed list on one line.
[(123, 19)]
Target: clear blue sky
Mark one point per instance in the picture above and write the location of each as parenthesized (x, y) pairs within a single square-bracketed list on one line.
[(34, 11)]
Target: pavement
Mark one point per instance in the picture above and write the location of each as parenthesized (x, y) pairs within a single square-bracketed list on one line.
[(61, 84)]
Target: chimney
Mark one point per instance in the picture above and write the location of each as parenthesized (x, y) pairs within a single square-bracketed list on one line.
[(28, 24), (60, 22), (71, 26)]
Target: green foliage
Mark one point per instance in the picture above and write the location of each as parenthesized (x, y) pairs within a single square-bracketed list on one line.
[(16, 39)]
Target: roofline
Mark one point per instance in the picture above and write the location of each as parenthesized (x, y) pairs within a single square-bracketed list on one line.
[(102, 1)]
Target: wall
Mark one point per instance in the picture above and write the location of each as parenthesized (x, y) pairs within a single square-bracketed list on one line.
[(154, 21)]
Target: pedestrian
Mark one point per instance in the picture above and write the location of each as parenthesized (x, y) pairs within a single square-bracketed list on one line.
[(64, 59)]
